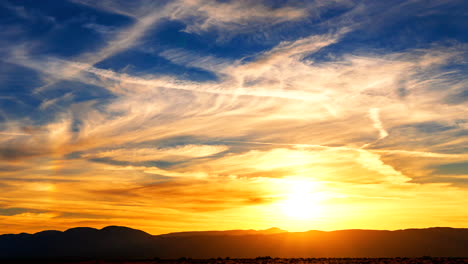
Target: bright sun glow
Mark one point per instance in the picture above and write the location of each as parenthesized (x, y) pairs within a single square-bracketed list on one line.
[(301, 201)]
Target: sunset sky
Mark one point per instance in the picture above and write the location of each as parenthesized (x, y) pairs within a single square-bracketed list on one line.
[(185, 115)]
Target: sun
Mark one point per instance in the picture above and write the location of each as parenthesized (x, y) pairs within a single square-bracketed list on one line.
[(301, 201)]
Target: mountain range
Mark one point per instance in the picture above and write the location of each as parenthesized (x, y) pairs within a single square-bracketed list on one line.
[(115, 242)]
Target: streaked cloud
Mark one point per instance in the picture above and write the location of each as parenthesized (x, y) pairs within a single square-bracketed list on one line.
[(374, 115), (169, 154), (233, 15)]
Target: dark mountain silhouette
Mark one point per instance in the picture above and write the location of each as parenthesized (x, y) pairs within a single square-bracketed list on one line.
[(273, 230), (115, 242)]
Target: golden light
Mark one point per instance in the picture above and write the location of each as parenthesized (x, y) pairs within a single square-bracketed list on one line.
[(302, 200), (42, 187)]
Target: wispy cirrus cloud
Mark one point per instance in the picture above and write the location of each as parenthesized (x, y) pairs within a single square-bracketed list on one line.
[(169, 154), (233, 15), (374, 115)]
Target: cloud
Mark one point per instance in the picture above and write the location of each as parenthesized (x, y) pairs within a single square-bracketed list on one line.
[(123, 196), (374, 116), (231, 16), (190, 59), (202, 16), (336, 89), (50, 102), (279, 84), (121, 40), (169, 154), (117, 7), (13, 211), (28, 14)]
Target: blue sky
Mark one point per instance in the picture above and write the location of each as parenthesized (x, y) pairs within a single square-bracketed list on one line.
[(197, 110)]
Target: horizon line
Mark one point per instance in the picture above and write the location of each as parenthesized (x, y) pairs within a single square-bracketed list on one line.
[(228, 230)]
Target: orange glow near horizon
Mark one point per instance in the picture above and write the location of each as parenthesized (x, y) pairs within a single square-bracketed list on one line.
[(197, 200)]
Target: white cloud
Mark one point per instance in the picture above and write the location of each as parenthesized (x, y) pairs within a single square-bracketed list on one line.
[(232, 16), (375, 117)]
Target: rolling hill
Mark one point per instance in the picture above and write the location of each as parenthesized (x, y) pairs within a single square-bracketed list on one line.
[(114, 242)]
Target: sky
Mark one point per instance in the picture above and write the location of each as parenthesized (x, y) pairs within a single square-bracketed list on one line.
[(183, 115)]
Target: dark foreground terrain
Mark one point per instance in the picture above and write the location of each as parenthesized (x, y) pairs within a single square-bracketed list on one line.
[(120, 243), (422, 260)]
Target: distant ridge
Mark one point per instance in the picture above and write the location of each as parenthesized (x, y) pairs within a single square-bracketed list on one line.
[(116, 242), (239, 232)]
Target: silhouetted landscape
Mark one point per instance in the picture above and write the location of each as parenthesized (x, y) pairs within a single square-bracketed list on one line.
[(258, 260), (119, 243), (233, 115)]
